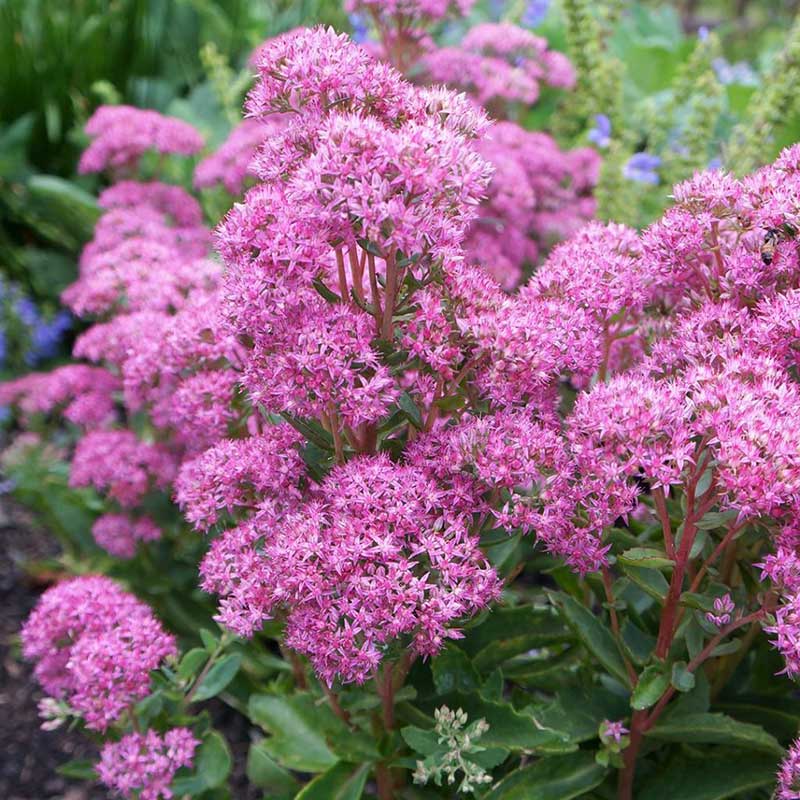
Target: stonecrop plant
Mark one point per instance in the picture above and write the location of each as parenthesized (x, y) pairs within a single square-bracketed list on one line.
[(456, 539)]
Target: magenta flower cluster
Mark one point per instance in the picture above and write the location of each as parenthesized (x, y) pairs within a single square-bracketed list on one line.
[(95, 645), (352, 398), (122, 134), (143, 764)]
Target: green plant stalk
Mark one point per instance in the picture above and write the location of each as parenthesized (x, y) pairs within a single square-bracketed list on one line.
[(750, 142)]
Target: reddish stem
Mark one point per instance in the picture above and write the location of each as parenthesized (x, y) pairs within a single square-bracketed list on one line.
[(390, 296)]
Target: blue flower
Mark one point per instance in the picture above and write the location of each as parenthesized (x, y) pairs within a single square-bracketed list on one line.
[(642, 168), (535, 13), (3, 347), (27, 312), (358, 22), (740, 72), (46, 337), (703, 33), (601, 133)]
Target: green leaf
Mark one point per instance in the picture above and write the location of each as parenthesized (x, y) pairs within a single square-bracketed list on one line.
[(553, 778), (546, 673), (218, 677), (323, 290), (638, 644), (213, 760), (715, 729), (297, 742), (66, 202), (191, 662), (594, 634), (265, 773), (78, 769), (645, 557), (422, 741), (715, 519), (410, 410), (508, 631), (148, 709), (212, 766), (210, 642), (306, 734), (453, 672), (779, 714), (682, 679), (650, 580), (652, 683), (311, 430), (341, 782), (713, 777), (578, 711), (508, 728)]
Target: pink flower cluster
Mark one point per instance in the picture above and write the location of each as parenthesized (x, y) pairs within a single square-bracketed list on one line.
[(118, 463), (122, 134), (355, 320), (84, 395), (538, 195), (95, 645), (230, 164), (500, 64), (119, 534), (411, 9), (788, 787), (371, 558), (142, 765)]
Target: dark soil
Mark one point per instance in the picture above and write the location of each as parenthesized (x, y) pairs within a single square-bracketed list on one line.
[(29, 756)]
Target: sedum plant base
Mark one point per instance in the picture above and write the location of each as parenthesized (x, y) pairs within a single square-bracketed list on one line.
[(432, 538)]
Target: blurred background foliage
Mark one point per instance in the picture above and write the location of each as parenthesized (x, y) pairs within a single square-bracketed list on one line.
[(670, 90)]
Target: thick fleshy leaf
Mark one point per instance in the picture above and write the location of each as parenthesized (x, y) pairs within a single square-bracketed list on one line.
[(263, 771), (645, 557), (306, 735), (715, 729), (716, 777), (453, 672), (578, 712), (652, 683), (508, 728), (779, 714), (219, 676), (212, 766), (297, 741), (553, 778), (597, 638), (341, 782), (507, 632)]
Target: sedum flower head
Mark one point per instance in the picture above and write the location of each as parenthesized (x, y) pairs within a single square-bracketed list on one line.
[(142, 765)]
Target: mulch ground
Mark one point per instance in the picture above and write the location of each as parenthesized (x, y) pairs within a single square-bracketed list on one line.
[(29, 756)]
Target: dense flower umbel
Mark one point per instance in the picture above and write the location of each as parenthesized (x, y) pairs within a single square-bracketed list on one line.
[(500, 64), (143, 765), (83, 394), (538, 194), (789, 775), (95, 645), (372, 558), (230, 164), (237, 473), (119, 534), (118, 463), (122, 134)]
